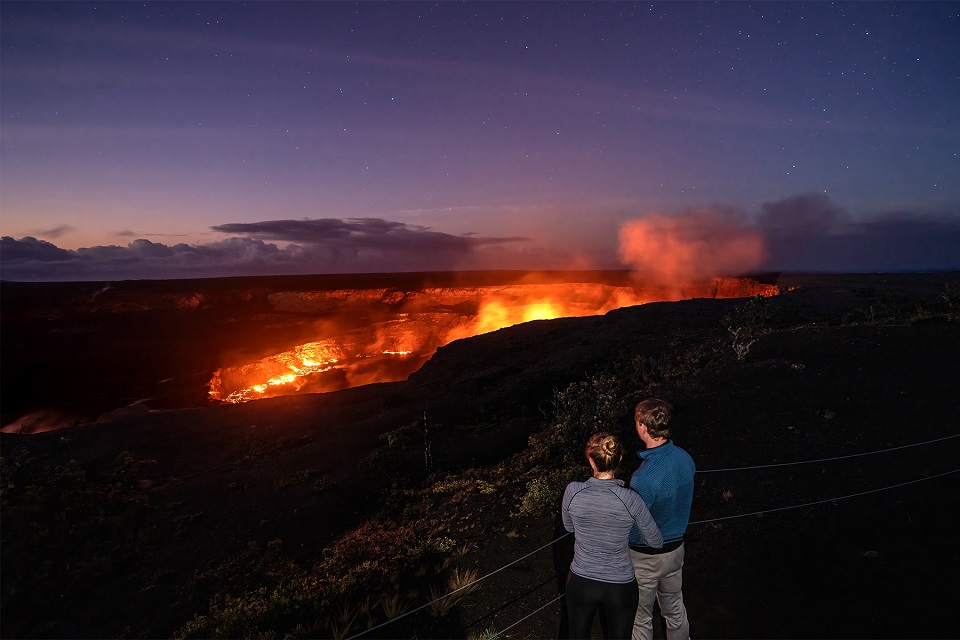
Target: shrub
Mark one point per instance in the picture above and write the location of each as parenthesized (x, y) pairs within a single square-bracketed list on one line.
[(65, 532), (952, 297), (463, 582), (393, 605), (540, 496), (680, 360), (263, 610), (747, 323), (486, 488), (450, 486), (399, 450), (459, 585), (887, 307), (543, 494), (341, 621), (580, 410), (334, 591)]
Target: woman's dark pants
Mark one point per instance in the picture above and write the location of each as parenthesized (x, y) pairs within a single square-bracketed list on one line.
[(617, 604)]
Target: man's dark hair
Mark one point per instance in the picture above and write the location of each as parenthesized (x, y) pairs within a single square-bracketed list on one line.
[(655, 414)]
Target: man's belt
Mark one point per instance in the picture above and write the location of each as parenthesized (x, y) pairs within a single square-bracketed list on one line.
[(666, 548)]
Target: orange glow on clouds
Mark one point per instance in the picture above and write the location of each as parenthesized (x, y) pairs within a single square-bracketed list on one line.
[(690, 247)]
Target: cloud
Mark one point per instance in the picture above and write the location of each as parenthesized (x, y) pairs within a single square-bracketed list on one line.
[(312, 246), (803, 214), (29, 249), (55, 232), (811, 233), (806, 232), (357, 234), (799, 233)]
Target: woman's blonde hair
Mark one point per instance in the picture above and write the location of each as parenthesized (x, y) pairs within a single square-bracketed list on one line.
[(605, 450)]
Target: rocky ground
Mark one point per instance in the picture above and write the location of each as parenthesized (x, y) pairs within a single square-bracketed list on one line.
[(137, 527)]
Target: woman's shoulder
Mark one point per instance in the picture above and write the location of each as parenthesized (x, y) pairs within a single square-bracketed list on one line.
[(626, 493), (572, 490)]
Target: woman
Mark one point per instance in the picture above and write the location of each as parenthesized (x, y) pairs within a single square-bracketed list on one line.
[(600, 512)]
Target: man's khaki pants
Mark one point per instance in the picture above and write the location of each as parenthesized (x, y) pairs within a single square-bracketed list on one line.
[(660, 578)]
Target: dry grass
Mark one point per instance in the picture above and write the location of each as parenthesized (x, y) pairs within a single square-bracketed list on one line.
[(459, 585)]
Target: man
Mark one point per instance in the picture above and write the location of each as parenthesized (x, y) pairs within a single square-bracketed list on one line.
[(665, 482)]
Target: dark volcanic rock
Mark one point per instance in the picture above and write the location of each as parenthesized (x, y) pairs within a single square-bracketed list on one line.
[(824, 383)]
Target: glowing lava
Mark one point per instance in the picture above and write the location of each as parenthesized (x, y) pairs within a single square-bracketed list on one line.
[(288, 370), (417, 324)]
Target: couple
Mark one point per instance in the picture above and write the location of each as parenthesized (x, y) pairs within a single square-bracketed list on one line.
[(628, 548)]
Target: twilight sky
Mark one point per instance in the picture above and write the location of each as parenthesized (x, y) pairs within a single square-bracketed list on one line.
[(188, 139)]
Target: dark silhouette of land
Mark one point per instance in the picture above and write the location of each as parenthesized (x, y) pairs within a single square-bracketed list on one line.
[(136, 525)]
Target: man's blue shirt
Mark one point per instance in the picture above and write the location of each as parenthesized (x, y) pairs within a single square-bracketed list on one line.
[(665, 482)]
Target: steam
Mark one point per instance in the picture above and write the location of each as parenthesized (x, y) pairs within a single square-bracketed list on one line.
[(39, 421), (691, 247), (102, 290), (807, 232)]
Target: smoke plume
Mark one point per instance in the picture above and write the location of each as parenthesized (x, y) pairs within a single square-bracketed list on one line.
[(690, 247)]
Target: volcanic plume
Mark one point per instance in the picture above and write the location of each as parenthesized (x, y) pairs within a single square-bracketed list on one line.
[(689, 248)]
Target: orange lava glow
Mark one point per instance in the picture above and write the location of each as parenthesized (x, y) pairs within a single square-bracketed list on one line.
[(285, 370), (390, 350)]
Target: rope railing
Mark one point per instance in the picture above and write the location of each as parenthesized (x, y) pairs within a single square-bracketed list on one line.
[(466, 586), (846, 457), (825, 500), (759, 513), (529, 615), (696, 522)]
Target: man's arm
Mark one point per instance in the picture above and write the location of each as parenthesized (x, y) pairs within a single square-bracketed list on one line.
[(645, 523)]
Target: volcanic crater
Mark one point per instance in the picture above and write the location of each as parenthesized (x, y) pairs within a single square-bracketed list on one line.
[(170, 344)]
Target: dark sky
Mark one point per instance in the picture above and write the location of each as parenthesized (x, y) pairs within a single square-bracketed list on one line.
[(183, 139)]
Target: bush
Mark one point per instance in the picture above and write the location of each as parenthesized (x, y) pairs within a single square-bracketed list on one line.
[(681, 360), (747, 323), (459, 585), (580, 410), (952, 297), (393, 605), (65, 533), (280, 597), (543, 494), (449, 486)]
